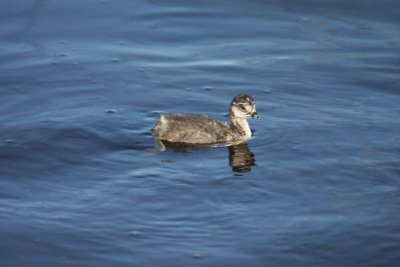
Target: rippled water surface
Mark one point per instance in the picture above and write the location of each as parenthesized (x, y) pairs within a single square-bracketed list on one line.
[(82, 83)]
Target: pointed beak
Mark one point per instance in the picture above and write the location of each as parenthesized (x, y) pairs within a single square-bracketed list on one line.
[(251, 112), (254, 115)]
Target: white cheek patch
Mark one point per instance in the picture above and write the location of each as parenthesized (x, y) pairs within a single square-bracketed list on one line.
[(249, 109)]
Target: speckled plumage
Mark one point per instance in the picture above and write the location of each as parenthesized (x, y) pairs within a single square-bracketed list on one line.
[(201, 129)]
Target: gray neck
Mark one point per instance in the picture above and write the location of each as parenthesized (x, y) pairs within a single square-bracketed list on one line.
[(241, 126)]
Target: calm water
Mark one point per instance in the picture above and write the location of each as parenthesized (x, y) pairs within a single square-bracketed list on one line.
[(83, 82)]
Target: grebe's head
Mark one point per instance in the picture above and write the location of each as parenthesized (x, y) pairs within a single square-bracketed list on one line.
[(243, 106)]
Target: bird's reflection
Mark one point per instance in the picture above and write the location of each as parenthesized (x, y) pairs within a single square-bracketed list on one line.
[(241, 159)]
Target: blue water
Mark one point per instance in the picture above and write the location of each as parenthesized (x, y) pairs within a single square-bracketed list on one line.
[(82, 84)]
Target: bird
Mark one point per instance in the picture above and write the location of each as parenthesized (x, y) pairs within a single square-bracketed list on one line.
[(196, 129)]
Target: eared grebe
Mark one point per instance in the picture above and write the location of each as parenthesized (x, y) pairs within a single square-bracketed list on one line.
[(203, 130)]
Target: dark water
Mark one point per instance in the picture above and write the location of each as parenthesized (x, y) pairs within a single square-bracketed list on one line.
[(82, 83)]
